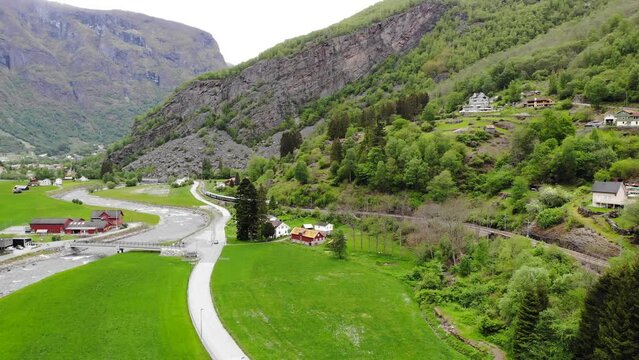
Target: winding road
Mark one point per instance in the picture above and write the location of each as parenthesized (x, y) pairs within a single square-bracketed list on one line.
[(214, 336)]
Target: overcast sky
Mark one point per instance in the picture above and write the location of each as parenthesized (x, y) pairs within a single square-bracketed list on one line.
[(242, 28)]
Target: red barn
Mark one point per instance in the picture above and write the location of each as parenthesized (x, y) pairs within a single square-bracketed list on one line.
[(49, 226), (112, 217), (308, 237), (87, 227)]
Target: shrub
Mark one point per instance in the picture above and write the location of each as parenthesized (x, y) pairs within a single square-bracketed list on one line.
[(550, 217), (56, 238), (553, 197), (488, 326), (77, 201), (110, 185), (131, 182)]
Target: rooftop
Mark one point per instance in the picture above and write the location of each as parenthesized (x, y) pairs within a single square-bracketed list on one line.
[(606, 187)]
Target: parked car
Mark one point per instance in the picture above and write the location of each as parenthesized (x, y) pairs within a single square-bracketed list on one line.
[(17, 191)]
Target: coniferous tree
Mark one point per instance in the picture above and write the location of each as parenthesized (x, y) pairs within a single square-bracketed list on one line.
[(609, 326), (291, 140), (336, 151), (247, 212), (525, 337)]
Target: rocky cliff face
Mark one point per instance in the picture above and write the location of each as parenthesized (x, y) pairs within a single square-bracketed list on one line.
[(258, 99), (71, 76)]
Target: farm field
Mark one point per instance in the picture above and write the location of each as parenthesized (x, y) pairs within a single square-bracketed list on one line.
[(130, 306), (19, 209), (288, 307), (153, 194)]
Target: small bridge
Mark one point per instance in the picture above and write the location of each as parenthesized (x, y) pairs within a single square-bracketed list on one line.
[(128, 245)]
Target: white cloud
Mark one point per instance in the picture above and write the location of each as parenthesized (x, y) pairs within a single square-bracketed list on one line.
[(243, 28)]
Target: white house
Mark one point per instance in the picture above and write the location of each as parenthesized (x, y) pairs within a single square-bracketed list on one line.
[(608, 194), (45, 182), (58, 182), (325, 228), (478, 103), (627, 118), (281, 229)]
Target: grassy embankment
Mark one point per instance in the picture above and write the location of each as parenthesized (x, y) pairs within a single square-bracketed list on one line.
[(122, 307), (298, 302), (154, 194), (19, 209)]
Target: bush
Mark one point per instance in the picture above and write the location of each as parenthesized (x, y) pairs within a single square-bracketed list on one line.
[(488, 326), (110, 185), (56, 238), (553, 197), (550, 217), (77, 201), (131, 182)]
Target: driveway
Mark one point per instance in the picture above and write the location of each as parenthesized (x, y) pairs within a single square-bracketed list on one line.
[(214, 336)]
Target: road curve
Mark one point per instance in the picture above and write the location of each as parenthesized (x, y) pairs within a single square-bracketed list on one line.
[(217, 341)]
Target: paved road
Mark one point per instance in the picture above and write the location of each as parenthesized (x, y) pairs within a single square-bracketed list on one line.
[(175, 223), (214, 336)]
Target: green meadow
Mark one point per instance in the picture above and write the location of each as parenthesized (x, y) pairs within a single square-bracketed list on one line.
[(129, 306), (300, 303)]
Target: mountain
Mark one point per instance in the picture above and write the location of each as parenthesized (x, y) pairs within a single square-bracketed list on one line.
[(71, 77), (382, 62), (242, 107)]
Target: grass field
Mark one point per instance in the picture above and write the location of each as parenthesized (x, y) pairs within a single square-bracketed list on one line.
[(130, 306), (153, 194), (19, 209), (296, 302)]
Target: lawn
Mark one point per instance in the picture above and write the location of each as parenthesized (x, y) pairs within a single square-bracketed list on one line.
[(154, 194), (130, 306), (297, 302), (19, 209)]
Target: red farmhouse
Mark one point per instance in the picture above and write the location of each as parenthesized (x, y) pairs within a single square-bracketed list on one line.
[(112, 217), (87, 227), (305, 236), (49, 226)]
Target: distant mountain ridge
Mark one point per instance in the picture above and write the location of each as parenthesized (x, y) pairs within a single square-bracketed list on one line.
[(71, 76)]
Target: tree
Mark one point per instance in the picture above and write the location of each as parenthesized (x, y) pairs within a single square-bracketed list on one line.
[(523, 144), (268, 230), (336, 151), (442, 186), (596, 91), (247, 212), (632, 212), (301, 172), (525, 336), (338, 125), (518, 193), (609, 326), (207, 169), (337, 244), (291, 140), (554, 125)]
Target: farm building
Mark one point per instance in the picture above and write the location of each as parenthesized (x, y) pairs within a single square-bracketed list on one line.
[(308, 237), (281, 229), (324, 228), (5, 243), (24, 242), (49, 226), (537, 103), (112, 217), (608, 194), (87, 227)]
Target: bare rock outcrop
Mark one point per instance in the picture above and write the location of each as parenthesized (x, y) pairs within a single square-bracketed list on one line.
[(255, 101)]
